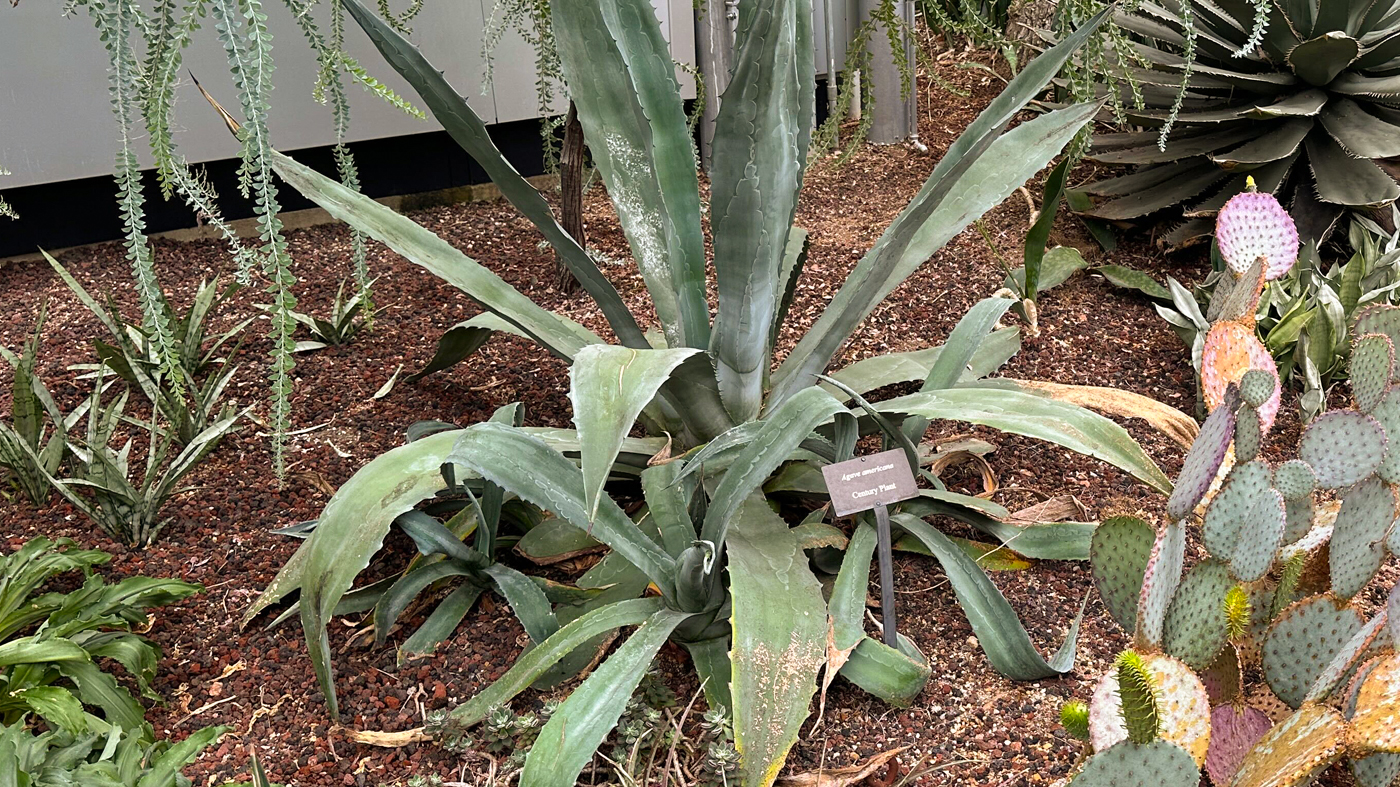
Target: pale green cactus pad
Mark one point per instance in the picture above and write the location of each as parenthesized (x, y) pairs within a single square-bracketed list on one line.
[(1159, 583), (1372, 361), (1249, 435), (1376, 770), (1392, 543), (1379, 318), (1376, 722), (1130, 765), (1260, 537), (1118, 557), (1342, 447), (1299, 515), (1357, 650), (1301, 643), (1294, 479), (1356, 552), (1294, 750), (1183, 708), (1387, 414), (1257, 386), (1202, 462), (1196, 630), (1244, 488)]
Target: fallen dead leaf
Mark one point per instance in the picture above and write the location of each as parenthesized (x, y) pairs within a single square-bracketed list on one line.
[(1173, 423), (840, 777)]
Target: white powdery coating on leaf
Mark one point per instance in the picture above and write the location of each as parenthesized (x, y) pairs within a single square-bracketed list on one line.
[(643, 224), (1253, 225)]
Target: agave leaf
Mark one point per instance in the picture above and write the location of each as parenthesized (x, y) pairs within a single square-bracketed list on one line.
[(1344, 180), (1280, 141), (559, 335), (895, 676), (760, 148), (998, 630), (711, 659), (1035, 416), (524, 465), (865, 376), (912, 239), (539, 659), (794, 260), (618, 68), (668, 500), (609, 386), (779, 622), (1131, 279), (1360, 132), (351, 529), (462, 340), (464, 126), (1321, 59), (441, 623), (579, 725)]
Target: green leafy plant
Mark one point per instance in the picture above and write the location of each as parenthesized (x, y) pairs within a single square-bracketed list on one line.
[(733, 582), (1299, 94), (110, 757), (345, 321), (101, 485), (50, 641), (1277, 594), (1304, 318), (28, 450)]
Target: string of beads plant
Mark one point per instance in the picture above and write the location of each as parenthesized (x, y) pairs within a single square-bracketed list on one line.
[(1280, 594)]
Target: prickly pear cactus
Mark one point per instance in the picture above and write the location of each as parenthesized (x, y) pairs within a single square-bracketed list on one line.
[(1289, 546)]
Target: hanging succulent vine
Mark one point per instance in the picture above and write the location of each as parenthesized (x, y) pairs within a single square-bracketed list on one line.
[(115, 21), (827, 137)]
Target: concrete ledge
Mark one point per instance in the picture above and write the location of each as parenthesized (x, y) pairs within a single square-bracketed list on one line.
[(311, 217)]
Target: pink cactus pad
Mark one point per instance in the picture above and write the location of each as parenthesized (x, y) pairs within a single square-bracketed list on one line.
[(1233, 732), (1230, 351), (1253, 225)]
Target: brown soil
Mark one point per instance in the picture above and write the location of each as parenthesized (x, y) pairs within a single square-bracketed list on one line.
[(977, 727)]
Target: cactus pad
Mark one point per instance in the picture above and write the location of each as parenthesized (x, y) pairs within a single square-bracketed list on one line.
[(1392, 608), (1202, 462), (1376, 722), (1294, 750), (1392, 543), (1387, 414), (1182, 705), (1117, 557), (1224, 680), (1342, 447), (1249, 434), (1196, 625), (1260, 537), (1233, 732), (1299, 514), (1357, 650), (1356, 552), (1295, 480), (1252, 225), (1230, 351), (1372, 363), (1302, 641), (1244, 488), (1379, 318), (1159, 581), (1376, 770), (1130, 765), (1240, 301), (1257, 386)]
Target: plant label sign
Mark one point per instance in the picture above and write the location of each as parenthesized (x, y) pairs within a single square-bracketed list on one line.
[(866, 482)]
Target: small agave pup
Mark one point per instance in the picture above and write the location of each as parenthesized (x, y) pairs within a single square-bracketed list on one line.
[(1276, 593)]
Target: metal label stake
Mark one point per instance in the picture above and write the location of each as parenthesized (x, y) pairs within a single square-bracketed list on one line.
[(874, 482)]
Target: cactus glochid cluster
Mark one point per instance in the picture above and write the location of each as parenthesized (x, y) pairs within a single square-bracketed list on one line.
[(1275, 595)]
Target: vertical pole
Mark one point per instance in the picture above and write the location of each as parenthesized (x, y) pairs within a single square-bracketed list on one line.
[(890, 123), (882, 531), (829, 17)]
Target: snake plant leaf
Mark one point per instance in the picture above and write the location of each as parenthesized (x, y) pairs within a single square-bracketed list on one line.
[(1344, 180), (609, 386), (526, 466), (760, 149), (779, 621), (620, 76), (779, 434), (1056, 266), (579, 725), (929, 222), (1039, 233), (462, 340), (351, 529), (998, 630), (1028, 414), (865, 376), (559, 335), (466, 128)]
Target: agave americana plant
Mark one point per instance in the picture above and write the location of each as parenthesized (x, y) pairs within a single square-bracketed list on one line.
[(732, 582), (1303, 94)]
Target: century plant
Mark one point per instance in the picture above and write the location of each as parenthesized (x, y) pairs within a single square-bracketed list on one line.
[(731, 580), (1303, 95), (1304, 318), (1278, 593)]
